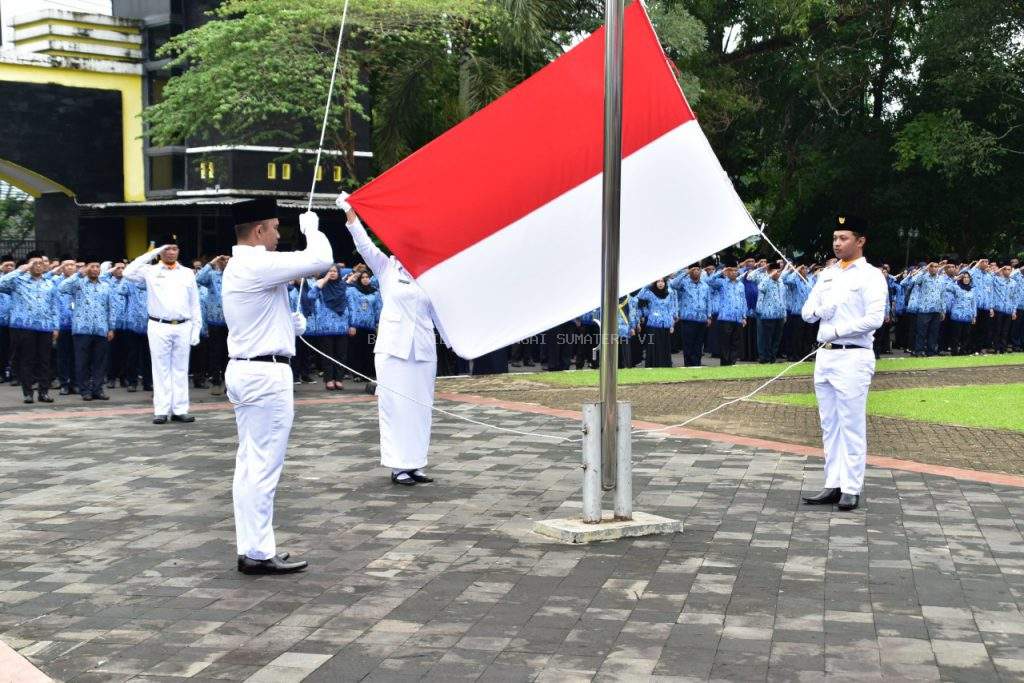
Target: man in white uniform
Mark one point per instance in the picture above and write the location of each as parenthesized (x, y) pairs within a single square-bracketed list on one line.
[(849, 301), (261, 343), (175, 321)]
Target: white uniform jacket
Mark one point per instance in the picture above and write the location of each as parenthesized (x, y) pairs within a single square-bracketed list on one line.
[(407, 318)]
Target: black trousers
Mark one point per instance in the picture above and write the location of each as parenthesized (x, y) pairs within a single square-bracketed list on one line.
[(959, 337), (927, 338), (33, 349), (5, 351), (559, 343), (1001, 325), (883, 339), (982, 338), (335, 346), (748, 343), (769, 335), (90, 363), (117, 355), (66, 358), (659, 347), (137, 362), (693, 333), (198, 361), (1016, 332), (730, 341), (217, 352)]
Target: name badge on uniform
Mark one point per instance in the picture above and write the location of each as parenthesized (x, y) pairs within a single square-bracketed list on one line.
[(404, 282)]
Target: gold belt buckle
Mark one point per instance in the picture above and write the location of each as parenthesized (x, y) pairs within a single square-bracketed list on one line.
[(827, 345)]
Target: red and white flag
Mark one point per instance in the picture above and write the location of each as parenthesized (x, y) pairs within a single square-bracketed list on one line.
[(499, 219)]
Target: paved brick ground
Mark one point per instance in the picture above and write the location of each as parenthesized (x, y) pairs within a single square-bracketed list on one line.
[(980, 449), (118, 562)]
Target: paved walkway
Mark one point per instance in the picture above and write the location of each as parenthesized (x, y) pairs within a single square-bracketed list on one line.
[(966, 447), (118, 561)]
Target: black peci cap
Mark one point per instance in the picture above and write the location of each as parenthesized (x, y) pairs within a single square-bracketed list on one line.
[(852, 223), (254, 210)]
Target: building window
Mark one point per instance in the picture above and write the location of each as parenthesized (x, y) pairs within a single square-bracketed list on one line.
[(206, 170), (271, 171), (286, 171), (337, 174), (319, 173)]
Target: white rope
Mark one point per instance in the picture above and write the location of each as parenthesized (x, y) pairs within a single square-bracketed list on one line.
[(435, 408), (327, 107)]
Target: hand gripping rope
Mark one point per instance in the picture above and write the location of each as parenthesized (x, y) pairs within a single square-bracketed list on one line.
[(538, 435)]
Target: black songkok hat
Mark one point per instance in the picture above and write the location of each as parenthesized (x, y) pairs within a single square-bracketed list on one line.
[(167, 238), (851, 222), (254, 210)]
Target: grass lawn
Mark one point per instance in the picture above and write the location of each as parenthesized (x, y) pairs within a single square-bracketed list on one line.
[(589, 378), (994, 406)]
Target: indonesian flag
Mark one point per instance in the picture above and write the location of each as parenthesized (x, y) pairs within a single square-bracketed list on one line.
[(499, 219)]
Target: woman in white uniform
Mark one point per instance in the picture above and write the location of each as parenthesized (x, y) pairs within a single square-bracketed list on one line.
[(405, 358)]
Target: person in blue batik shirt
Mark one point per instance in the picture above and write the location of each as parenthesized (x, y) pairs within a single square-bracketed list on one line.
[(694, 296), (731, 315), (364, 306), (34, 325), (116, 354), (797, 336), (660, 317), (330, 320), (771, 310), (1004, 303), (92, 327), (65, 349), (963, 314), (137, 363), (211, 276), (1017, 332), (930, 285), (982, 277), (6, 266)]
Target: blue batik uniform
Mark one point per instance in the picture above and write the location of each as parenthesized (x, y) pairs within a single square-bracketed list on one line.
[(1004, 295), (204, 310), (964, 308), (326, 321), (661, 312), (898, 295), (750, 292), (930, 291), (981, 282), (5, 314), (63, 301), (117, 299), (212, 279), (771, 296), (364, 309), (732, 303), (34, 302), (136, 307), (627, 317), (797, 291), (92, 312), (694, 298)]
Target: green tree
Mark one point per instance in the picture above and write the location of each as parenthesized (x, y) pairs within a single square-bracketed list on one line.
[(17, 213)]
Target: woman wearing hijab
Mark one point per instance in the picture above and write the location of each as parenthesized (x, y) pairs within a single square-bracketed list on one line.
[(364, 304), (330, 322), (660, 320), (962, 315), (405, 359)]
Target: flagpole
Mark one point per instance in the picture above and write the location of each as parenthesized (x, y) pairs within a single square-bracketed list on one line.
[(612, 185)]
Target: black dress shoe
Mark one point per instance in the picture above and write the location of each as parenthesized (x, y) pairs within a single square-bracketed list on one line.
[(182, 418), (420, 478), (403, 478), (160, 420), (86, 397), (29, 399), (45, 397), (147, 387), (274, 565), (826, 497), (64, 391), (281, 556), (100, 397), (132, 388), (848, 501)]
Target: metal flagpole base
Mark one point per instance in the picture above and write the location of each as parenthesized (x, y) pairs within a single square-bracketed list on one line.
[(595, 524)]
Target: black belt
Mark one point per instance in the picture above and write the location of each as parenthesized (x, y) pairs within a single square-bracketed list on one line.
[(830, 346), (168, 322), (287, 360)]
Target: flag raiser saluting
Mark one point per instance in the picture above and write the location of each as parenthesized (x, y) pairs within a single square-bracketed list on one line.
[(490, 214)]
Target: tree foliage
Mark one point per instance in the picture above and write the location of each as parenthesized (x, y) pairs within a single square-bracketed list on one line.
[(909, 112), (17, 213)]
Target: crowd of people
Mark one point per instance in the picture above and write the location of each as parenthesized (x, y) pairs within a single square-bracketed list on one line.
[(81, 327)]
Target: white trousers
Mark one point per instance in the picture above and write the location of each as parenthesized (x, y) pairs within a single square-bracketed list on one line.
[(169, 349), (264, 408), (404, 425), (841, 381)]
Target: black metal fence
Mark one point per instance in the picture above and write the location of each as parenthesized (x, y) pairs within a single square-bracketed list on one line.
[(19, 249)]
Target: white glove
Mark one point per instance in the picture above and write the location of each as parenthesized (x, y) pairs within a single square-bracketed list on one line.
[(195, 336), (309, 222), (342, 202), (827, 312), (827, 331), (298, 323)]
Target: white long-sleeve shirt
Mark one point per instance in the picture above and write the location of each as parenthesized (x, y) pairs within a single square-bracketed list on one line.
[(254, 292), (407, 318), (857, 296), (171, 291)]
